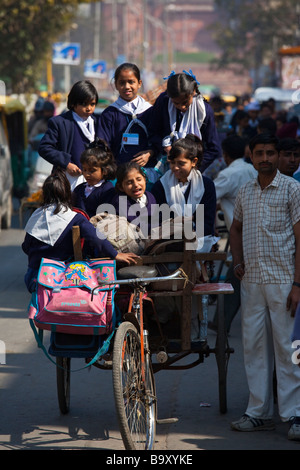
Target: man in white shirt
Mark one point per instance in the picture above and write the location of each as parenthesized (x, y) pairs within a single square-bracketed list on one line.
[(237, 173), (227, 184), (265, 242)]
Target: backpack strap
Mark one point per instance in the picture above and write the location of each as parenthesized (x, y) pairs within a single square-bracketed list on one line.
[(100, 352)]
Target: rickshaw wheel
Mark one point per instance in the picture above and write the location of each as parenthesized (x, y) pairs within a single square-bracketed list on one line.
[(63, 377), (135, 398)]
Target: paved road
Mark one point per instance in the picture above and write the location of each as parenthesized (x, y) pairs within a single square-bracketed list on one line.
[(29, 414)]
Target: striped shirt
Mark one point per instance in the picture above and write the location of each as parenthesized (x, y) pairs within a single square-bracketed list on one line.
[(268, 217)]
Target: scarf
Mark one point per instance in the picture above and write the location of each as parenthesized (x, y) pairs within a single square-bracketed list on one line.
[(192, 119), (142, 201), (47, 226), (133, 108), (175, 195), (86, 126)]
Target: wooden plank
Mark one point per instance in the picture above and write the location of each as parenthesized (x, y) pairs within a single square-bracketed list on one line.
[(76, 243), (212, 288), (217, 256)]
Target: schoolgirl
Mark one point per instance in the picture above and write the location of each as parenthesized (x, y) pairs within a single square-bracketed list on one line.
[(183, 186), (69, 133), (124, 124), (133, 201), (182, 110), (49, 230), (98, 168)]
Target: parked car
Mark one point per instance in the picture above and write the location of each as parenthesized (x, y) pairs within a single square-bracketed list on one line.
[(283, 98), (6, 181)]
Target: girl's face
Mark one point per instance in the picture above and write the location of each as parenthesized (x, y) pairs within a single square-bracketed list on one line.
[(93, 174), (183, 101), (182, 166), (134, 184), (85, 110), (128, 85)]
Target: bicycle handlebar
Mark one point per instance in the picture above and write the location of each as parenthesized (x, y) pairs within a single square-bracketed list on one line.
[(140, 280)]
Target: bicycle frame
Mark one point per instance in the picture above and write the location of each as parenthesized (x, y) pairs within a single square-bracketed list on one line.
[(136, 301)]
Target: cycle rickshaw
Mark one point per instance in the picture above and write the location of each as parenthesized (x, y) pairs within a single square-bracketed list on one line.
[(132, 351)]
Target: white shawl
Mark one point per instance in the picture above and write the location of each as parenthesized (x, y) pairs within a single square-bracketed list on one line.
[(192, 118), (139, 105), (46, 226), (135, 107), (87, 126), (176, 200), (175, 195)]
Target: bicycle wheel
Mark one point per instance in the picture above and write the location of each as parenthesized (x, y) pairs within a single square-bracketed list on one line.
[(134, 397), (222, 356), (63, 376)]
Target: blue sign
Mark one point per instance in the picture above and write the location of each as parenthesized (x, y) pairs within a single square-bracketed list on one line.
[(94, 68), (66, 53)]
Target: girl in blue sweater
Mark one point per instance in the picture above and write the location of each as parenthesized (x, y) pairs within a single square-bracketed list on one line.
[(183, 187), (182, 110), (69, 133), (124, 124), (98, 168)]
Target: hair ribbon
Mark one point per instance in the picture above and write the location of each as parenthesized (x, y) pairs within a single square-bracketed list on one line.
[(171, 75), (190, 73)]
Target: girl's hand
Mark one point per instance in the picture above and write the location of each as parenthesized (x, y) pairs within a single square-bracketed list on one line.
[(167, 149), (128, 258), (142, 158), (73, 170)]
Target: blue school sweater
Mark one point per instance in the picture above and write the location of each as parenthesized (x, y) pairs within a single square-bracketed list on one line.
[(63, 141), (145, 213), (100, 195), (113, 124)]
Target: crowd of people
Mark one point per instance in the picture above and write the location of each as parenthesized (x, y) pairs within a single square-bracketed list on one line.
[(184, 151)]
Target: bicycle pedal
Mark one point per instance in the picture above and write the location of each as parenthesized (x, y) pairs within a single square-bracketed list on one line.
[(167, 421), (162, 356), (107, 363)]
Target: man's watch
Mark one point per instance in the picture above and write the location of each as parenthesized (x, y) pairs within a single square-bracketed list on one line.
[(297, 284)]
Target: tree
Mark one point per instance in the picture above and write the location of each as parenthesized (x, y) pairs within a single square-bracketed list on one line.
[(27, 30), (250, 32)]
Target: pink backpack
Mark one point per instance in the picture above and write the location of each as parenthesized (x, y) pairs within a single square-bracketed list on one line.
[(63, 302)]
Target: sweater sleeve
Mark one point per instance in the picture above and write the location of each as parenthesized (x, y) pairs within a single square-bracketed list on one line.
[(88, 232), (158, 192), (210, 138), (51, 147), (209, 201)]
